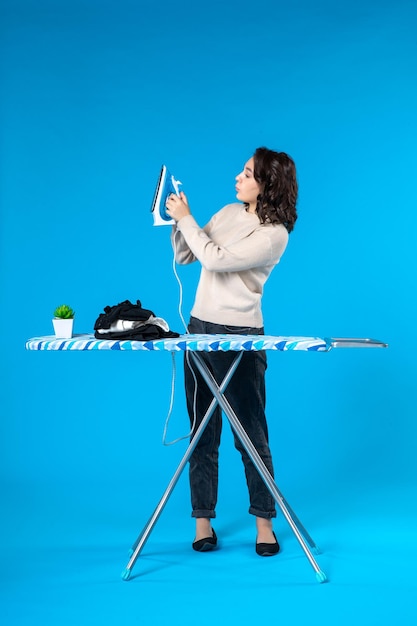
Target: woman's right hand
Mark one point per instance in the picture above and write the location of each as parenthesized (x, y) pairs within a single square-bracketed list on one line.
[(177, 206)]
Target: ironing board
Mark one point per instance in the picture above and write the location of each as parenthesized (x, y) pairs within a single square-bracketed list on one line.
[(212, 343)]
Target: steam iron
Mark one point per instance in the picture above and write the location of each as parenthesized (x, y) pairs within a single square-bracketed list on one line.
[(166, 185)]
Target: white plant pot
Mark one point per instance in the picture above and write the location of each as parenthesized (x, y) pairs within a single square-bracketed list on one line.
[(63, 328)]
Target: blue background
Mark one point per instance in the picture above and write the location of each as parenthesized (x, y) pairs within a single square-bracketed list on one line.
[(95, 96)]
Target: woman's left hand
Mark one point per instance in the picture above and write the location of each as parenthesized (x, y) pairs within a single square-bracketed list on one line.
[(177, 206)]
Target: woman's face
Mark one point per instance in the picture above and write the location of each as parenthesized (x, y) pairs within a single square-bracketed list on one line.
[(247, 188)]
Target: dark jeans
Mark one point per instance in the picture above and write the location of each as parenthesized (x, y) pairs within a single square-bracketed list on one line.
[(246, 395)]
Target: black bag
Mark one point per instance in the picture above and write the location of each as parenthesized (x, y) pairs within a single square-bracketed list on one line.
[(146, 329)]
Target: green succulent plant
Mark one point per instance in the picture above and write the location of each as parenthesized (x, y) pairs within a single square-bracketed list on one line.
[(64, 312)]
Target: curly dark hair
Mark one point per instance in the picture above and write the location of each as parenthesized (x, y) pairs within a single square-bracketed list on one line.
[(275, 173)]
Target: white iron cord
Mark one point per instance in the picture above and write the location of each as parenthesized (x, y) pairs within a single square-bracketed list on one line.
[(173, 365)]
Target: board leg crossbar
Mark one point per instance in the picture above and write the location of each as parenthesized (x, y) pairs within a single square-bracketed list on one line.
[(219, 398)]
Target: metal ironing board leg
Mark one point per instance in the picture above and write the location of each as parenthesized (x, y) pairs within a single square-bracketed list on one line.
[(257, 461), (143, 536), (218, 398)]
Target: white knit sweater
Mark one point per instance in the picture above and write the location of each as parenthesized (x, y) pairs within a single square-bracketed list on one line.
[(237, 255)]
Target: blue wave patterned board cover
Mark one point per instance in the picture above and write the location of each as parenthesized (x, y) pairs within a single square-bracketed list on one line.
[(189, 342)]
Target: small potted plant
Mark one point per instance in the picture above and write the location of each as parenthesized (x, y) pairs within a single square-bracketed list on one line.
[(63, 321)]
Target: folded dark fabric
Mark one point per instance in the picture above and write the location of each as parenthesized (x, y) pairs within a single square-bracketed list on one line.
[(123, 311), (130, 321)]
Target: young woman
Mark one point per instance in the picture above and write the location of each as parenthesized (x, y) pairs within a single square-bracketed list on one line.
[(237, 249)]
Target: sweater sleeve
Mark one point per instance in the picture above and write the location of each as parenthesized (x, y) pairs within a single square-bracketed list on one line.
[(183, 254), (255, 250)]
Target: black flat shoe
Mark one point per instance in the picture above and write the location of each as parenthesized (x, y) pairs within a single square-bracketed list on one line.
[(267, 549), (206, 544)]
